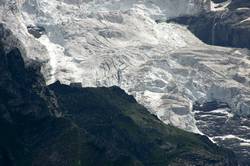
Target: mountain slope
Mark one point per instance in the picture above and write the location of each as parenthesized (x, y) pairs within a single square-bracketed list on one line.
[(129, 44), (91, 126), (162, 65)]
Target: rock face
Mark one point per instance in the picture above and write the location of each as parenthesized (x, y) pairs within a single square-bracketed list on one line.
[(227, 130), (36, 31), (229, 27), (239, 4), (97, 126), (22, 89)]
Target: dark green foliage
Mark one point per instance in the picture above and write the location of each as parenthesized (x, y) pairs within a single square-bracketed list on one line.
[(123, 131)]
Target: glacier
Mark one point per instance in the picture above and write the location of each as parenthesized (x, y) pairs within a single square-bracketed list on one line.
[(128, 44)]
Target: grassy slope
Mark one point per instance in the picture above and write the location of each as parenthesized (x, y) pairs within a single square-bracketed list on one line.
[(124, 131)]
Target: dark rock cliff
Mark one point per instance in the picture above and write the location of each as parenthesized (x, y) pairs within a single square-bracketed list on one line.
[(223, 28)]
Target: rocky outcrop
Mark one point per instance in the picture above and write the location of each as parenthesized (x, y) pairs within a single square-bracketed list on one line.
[(229, 27), (239, 4), (228, 130), (22, 89), (36, 31)]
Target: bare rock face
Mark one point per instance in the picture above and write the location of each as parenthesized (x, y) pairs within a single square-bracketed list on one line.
[(228, 26), (22, 86), (239, 4), (36, 31)]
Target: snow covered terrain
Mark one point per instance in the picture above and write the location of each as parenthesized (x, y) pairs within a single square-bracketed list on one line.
[(125, 43)]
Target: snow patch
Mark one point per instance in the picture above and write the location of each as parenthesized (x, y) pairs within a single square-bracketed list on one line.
[(244, 141), (220, 6)]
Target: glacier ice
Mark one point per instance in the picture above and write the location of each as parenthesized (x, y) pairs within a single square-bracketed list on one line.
[(118, 42)]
